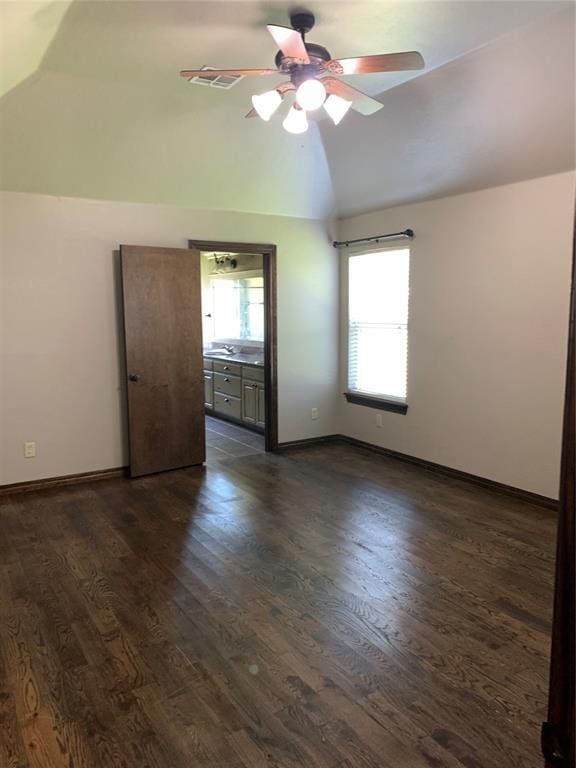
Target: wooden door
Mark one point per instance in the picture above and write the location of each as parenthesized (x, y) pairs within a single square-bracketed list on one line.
[(163, 335)]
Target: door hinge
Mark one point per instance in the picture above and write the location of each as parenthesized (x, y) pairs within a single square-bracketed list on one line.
[(552, 747)]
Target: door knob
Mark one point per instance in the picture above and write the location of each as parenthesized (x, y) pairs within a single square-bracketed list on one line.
[(134, 376)]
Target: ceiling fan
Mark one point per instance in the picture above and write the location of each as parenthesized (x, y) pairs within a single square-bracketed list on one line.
[(311, 71)]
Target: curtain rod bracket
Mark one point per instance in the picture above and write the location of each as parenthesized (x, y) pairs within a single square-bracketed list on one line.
[(407, 234)]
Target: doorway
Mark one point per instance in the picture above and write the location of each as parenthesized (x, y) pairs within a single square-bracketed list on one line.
[(239, 347), (162, 317)]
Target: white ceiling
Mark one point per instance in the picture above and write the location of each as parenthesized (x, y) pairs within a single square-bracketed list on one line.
[(501, 114), (26, 31), (93, 105)]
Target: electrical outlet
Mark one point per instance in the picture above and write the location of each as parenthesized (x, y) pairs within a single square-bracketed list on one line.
[(379, 422), (29, 450), (314, 414)]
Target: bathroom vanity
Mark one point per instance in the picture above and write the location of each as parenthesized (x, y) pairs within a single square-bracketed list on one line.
[(234, 389)]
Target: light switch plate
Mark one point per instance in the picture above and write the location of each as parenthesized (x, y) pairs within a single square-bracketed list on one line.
[(314, 414), (29, 450)]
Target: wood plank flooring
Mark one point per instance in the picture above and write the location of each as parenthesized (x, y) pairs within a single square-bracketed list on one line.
[(325, 608)]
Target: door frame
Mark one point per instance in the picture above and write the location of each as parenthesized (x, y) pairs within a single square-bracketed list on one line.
[(268, 253), (559, 731)]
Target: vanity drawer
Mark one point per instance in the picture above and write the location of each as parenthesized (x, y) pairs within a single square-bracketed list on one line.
[(253, 372), (227, 385), (207, 364), (220, 366), (230, 406)]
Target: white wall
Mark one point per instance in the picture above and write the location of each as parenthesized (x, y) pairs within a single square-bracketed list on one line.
[(489, 306), (61, 346), (490, 279)]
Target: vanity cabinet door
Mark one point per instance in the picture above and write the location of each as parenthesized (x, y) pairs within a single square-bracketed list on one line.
[(249, 401), (208, 389), (261, 416)]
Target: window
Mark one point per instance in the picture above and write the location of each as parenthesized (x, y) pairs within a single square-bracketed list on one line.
[(378, 288), (238, 308)]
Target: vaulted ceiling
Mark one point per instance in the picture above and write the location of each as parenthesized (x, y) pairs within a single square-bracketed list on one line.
[(92, 105)]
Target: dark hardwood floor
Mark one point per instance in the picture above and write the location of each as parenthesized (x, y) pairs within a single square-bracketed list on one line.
[(325, 608)]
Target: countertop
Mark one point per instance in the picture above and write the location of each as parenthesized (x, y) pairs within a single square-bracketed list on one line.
[(237, 357)]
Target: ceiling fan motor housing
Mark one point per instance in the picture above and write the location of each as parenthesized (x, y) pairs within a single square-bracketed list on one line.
[(302, 21), (317, 55)]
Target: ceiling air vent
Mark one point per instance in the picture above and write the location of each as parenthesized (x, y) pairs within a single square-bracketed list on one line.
[(215, 81)]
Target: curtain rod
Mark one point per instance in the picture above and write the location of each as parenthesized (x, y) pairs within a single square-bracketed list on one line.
[(407, 234)]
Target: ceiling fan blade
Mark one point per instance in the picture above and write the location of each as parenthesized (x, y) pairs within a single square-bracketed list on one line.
[(383, 62), (290, 42), (225, 72), (361, 102)]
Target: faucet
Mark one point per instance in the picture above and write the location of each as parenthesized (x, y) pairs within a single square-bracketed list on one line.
[(229, 348)]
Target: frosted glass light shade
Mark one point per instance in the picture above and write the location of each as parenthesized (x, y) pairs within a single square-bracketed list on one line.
[(266, 103), (296, 121), (336, 107), (311, 94)]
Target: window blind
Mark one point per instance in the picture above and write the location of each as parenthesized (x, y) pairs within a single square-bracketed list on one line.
[(378, 294)]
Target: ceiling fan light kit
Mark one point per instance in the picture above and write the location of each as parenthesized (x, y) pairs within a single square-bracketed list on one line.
[(311, 94), (267, 103), (336, 107), (296, 121), (311, 71)]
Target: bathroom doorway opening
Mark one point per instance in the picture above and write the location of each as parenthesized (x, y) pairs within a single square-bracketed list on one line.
[(239, 347)]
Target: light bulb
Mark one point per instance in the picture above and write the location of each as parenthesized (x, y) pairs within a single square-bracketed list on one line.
[(267, 103), (336, 107), (296, 121), (310, 95)]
